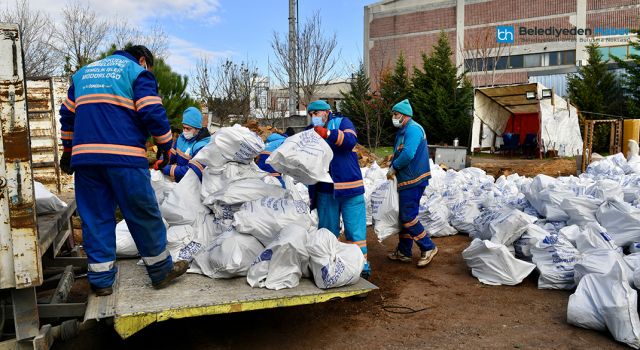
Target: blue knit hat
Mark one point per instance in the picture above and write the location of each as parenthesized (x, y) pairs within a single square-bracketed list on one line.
[(192, 117), (403, 107), (318, 105)]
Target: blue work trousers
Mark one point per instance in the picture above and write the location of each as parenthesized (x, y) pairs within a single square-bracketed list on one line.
[(354, 216), (99, 189), (412, 229)]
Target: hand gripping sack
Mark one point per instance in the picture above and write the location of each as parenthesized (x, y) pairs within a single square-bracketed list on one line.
[(304, 156), (283, 262), (385, 209), (333, 263)]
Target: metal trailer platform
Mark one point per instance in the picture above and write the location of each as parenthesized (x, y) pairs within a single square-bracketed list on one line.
[(135, 304)]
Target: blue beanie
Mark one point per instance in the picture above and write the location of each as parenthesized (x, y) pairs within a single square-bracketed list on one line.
[(192, 117), (403, 107), (318, 105)]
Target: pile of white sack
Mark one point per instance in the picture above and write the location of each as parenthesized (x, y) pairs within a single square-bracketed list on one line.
[(574, 231), (239, 221)]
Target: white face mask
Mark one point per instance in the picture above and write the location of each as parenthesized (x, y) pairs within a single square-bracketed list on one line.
[(188, 135), (397, 122)]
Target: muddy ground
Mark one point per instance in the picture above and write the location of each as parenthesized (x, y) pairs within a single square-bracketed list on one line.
[(459, 312), (497, 166)]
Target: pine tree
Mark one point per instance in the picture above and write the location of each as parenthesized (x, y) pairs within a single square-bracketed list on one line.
[(631, 80), (441, 97), (395, 86), (595, 89)]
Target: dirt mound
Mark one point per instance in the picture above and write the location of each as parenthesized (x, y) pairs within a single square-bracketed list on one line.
[(262, 131)]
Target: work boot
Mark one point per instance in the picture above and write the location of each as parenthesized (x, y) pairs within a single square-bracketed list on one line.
[(178, 269), (426, 257), (399, 257), (101, 292)]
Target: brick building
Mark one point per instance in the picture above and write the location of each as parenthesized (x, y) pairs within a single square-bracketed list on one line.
[(551, 44)]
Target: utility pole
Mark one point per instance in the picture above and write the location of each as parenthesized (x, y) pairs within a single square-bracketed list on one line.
[(293, 46)]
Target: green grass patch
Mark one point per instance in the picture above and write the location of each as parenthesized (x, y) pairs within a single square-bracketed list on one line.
[(383, 152)]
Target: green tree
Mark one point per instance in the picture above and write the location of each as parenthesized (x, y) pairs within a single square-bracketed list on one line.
[(395, 86), (631, 80), (441, 97), (355, 106), (595, 89), (172, 88)]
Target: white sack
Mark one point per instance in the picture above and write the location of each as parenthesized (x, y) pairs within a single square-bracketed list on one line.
[(621, 220), (237, 144), (283, 262), (182, 205), (333, 264), (245, 190), (601, 261), (229, 255), (607, 301), (493, 264), (385, 209), (264, 218), (555, 258), (509, 226), (125, 245), (581, 210), (178, 237), (46, 202), (463, 215), (210, 155), (304, 156), (161, 185), (215, 179), (434, 215)]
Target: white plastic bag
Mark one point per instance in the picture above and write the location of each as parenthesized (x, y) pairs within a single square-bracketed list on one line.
[(434, 215), (509, 226), (283, 262), (607, 301), (215, 179), (385, 209), (621, 220), (601, 261), (125, 246), (304, 156), (493, 264), (581, 210), (182, 205), (178, 237), (264, 218), (555, 258), (229, 255), (333, 263), (161, 185), (237, 144), (245, 190), (46, 202)]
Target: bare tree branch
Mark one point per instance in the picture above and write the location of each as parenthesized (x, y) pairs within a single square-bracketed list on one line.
[(484, 54), (81, 34), (155, 39), (226, 88), (37, 29), (316, 58)]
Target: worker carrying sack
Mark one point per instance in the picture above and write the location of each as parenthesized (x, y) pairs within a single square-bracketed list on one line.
[(304, 156), (333, 263)]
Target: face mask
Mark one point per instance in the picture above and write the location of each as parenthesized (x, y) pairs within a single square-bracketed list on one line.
[(187, 135), (396, 122), (317, 121)]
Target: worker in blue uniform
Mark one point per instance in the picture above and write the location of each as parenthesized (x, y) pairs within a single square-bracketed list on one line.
[(188, 144), (272, 143), (410, 165), (111, 108), (345, 196)]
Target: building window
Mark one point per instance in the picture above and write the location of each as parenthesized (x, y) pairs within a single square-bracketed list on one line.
[(516, 61), (533, 60), (568, 57), (554, 58)]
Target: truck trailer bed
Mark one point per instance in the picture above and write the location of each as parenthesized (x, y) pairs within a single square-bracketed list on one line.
[(135, 304)]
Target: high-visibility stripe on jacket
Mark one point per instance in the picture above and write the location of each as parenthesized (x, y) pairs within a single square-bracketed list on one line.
[(112, 107), (181, 157), (411, 156), (344, 168)]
